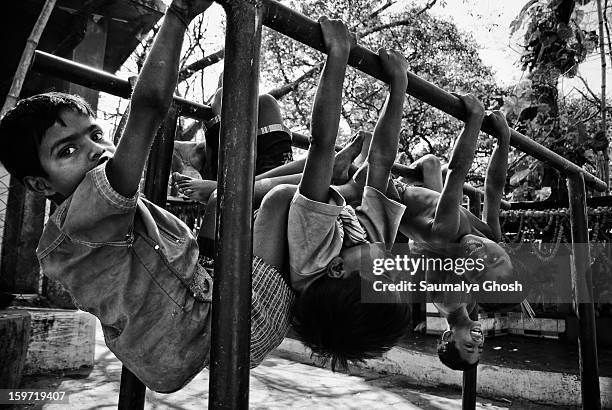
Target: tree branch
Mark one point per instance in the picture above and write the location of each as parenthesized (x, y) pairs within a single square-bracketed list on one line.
[(188, 133), (199, 65), (586, 85), (586, 97), (403, 22), (280, 92)]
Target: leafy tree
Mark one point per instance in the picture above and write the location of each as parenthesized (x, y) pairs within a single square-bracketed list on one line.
[(554, 46)]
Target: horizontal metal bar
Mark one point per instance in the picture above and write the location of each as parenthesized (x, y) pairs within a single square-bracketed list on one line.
[(114, 85), (101, 80), (305, 30)]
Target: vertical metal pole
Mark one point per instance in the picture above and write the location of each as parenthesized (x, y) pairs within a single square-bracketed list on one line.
[(229, 367), (468, 395), (582, 285), (131, 390)]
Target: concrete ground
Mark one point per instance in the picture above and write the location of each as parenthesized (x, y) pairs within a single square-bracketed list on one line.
[(278, 383)]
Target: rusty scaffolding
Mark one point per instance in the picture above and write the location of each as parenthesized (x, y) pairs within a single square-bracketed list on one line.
[(230, 330)]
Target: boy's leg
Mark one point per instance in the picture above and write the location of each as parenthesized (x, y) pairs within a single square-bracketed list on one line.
[(270, 227), (291, 168), (206, 235), (343, 162), (195, 189), (431, 168), (269, 112), (273, 138)]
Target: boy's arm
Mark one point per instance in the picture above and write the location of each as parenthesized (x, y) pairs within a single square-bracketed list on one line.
[(446, 221), (496, 174), (152, 97), (385, 141), (318, 169)]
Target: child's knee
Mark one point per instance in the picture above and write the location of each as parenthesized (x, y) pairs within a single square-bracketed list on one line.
[(269, 111), (279, 196), (430, 163), (217, 101), (212, 200)]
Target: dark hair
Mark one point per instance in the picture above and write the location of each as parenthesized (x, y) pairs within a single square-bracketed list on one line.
[(24, 126), (331, 320), (448, 353)]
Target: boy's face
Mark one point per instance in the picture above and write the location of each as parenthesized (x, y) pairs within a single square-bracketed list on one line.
[(496, 261), (361, 258), (68, 151), (469, 340)]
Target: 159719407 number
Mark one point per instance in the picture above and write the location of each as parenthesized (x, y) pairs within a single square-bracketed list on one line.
[(10, 396)]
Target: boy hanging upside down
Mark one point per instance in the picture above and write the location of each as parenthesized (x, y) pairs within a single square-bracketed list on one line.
[(127, 261), (327, 239), (440, 226)]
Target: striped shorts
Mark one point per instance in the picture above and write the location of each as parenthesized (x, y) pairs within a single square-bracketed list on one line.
[(271, 307)]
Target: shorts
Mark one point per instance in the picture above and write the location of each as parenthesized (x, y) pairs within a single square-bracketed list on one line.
[(271, 308), (273, 146), (273, 150)]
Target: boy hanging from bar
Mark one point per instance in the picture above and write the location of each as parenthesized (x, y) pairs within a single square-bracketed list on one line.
[(440, 227), (197, 163), (125, 260), (329, 242), (273, 137)]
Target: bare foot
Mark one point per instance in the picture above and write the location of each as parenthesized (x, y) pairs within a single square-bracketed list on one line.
[(196, 189), (344, 158), (360, 176), (365, 147), (352, 189)]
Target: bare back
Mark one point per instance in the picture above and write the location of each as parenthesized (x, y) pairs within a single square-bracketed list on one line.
[(421, 204)]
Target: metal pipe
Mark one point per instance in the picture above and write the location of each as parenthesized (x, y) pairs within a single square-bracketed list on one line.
[(305, 30), (131, 391), (582, 285), (111, 84), (468, 394), (106, 82), (229, 365)]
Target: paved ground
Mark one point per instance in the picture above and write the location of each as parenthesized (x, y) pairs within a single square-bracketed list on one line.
[(279, 383)]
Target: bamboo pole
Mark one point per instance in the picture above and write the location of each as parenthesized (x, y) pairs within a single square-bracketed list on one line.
[(605, 171), (26, 57)]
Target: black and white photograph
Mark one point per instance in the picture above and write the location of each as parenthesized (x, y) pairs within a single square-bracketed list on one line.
[(282, 204)]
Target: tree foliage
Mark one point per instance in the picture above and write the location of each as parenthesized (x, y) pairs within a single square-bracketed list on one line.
[(555, 43)]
